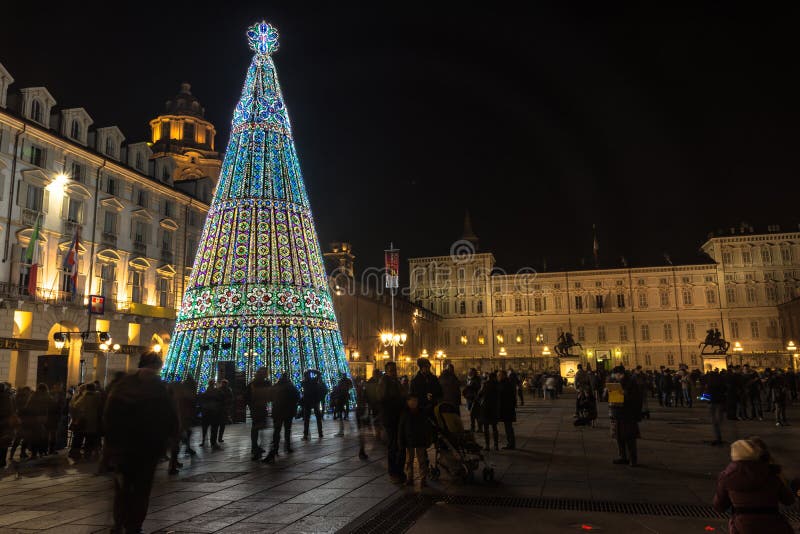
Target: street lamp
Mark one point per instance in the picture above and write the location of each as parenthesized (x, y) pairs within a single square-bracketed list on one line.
[(792, 348), (156, 348), (546, 351), (737, 347), (503, 352), (105, 348), (394, 340)]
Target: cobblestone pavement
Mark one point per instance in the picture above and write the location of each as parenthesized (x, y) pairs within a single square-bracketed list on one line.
[(324, 487)]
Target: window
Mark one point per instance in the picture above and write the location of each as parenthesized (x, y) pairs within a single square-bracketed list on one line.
[(166, 241), (693, 358), (141, 197), (577, 285), (772, 293), (642, 299), (766, 256), (578, 302), (664, 298), (74, 211), (498, 305), (667, 332), (108, 275), (640, 281), (165, 131), (34, 200), (446, 337), (139, 161), (687, 297), (77, 172), (140, 232), (772, 329), (537, 304), (169, 208), (645, 332), (708, 278), (480, 306), (519, 337), (36, 110), (111, 185), (581, 333), (36, 156), (711, 297), (598, 284), (481, 338), (663, 281), (136, 283), (110, 223), (445, 308), (601, 333), (623, 332), (163, 292), (690, 330), (461, 274), (188, 132), (557, 301), (110, 149), (786, 255), (686, 279), (501, 338), (462, 308), (754, 333), (517, 304), (751, 294), (734, 329), (598, 302), (647, 360), (730, 294), (464, 339), (75, 130), (727, 257), (747, 257), (670, 359), (620, 300), (540, 338)]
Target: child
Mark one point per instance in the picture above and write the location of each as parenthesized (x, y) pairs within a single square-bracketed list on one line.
[(414, 436)]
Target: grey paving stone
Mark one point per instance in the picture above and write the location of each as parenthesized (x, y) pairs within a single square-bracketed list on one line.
[(319, 496), (285, 513), (348, 507)]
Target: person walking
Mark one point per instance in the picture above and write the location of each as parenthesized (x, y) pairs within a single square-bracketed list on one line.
[(470, 393), (183, 395), (256, 397), (340, 399), (392, 399), (90, 407), (507, 392), (226, 403), (488, 406), (139, 420), (313, 391), (716, 391), (426, 387), (414, 435), (34, 416), (625, 418), (751, 488), (211, 410), (284, 398), (451, 388)]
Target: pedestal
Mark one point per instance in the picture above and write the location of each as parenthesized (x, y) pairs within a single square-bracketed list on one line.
[(714, 361), (569, 366)]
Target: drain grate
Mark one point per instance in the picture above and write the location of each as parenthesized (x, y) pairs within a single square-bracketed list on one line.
[(400, 516), (212, 476)]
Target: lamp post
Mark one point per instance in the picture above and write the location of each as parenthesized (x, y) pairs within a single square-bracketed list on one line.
[(738, 349), (106, 348), (62, 338), (791, 348), (393, 339)]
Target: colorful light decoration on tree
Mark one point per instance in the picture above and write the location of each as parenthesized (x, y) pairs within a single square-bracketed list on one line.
[(258, 294)]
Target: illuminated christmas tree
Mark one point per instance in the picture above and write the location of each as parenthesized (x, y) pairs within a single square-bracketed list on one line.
[(258, 293)]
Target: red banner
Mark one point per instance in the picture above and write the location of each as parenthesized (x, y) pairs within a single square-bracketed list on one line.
[(391, 260)]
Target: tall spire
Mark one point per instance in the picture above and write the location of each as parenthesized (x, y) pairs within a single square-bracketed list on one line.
[(468, 234), (258, 294)]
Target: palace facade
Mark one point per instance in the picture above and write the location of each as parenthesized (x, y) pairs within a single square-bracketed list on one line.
[(649, 316)]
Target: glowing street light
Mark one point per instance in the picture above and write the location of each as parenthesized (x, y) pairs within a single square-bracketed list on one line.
[(737, 347), (791, 347), (546, 351)]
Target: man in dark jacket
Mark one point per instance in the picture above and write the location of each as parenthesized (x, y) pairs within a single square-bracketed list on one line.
[(487, 406), (314, 391), (391, 396), (451, 388), (8, 412), (284, 398), (625, 418), (426, 386), (716, 389), (211, 409), (255, 396), (471, 393), (508, 408), (226, 402), (140, 420)]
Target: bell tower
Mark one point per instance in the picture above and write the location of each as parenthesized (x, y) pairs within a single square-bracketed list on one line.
[(183, 146)]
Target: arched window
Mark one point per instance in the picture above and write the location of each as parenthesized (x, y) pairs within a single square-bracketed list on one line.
[(75, 130), (36, 110)]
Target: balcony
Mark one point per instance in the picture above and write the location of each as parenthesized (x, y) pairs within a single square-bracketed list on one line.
[(109, 239), (43, 294), (29, 216), (69, 227), (139, 247)]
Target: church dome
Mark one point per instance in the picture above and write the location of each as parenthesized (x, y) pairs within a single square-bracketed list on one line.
[(185, 103)]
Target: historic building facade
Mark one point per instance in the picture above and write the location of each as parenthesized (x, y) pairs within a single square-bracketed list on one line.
[(649, 316), (139, 208)]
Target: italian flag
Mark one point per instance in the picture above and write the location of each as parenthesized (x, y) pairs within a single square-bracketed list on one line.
[(32, 256)]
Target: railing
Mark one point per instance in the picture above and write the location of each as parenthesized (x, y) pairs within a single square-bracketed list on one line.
[(109, 239), (42, 294), (29, 216), (70, 226)]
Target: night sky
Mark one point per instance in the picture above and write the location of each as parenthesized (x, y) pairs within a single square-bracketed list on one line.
[(657, 125)]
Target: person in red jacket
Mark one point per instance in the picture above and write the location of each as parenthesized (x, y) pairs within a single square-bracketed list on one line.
[(751, 487)]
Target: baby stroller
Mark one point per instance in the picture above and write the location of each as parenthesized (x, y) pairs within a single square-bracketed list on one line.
[(455, 449)]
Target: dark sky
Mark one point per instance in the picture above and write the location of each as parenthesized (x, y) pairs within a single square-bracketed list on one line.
[(657, 124)]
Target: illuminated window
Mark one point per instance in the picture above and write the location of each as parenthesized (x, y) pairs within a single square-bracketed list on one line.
[(519, 337), (501, 338), (481, 338)]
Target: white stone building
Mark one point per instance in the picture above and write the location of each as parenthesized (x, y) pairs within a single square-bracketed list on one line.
[(139, 214), (649, 316)]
